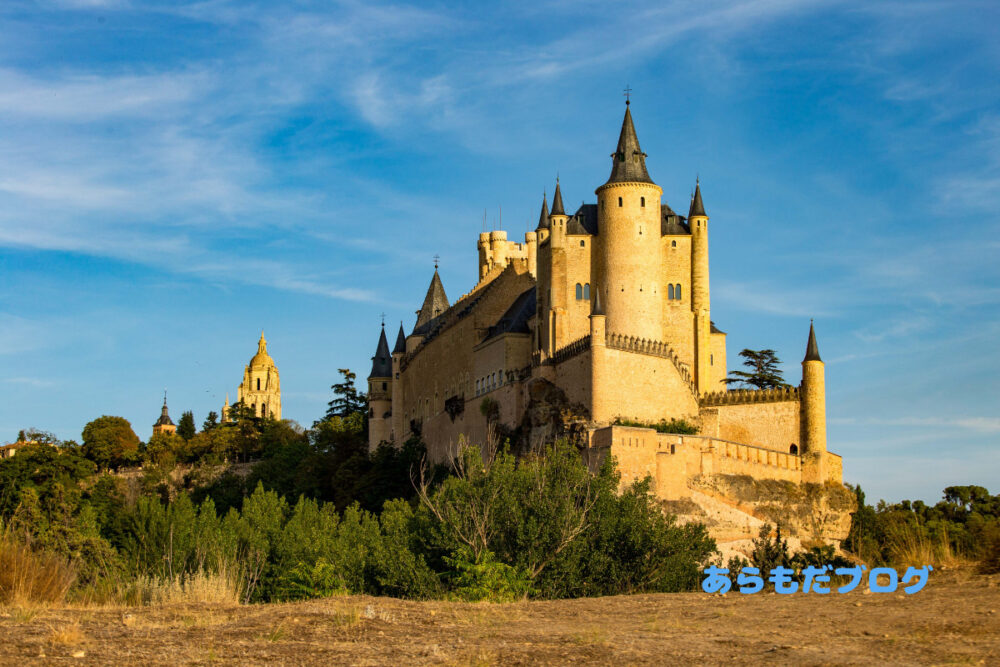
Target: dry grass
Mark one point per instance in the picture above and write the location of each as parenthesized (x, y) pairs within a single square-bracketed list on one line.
[(909, 546), (30, 577), (69, 634)]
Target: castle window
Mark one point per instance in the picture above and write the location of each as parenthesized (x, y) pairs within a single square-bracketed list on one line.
[(673, 244), (579, 291), (642, 201), (711, 360), (586, 292), (385, 386), (670, 291), (677, 291), (619, 201), (583, 243), (793, 449), (258, 384), (672, 449), (263, 409)]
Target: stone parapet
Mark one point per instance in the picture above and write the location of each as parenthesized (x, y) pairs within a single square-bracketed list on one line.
[(743, 396), (653, 348)]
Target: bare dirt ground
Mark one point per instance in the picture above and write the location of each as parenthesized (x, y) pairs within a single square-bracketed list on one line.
[(954, 620)]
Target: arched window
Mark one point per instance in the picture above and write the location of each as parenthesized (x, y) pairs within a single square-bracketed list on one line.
[(619, 201), (673, 244), (586, 292), (672, 450), (258, 384), (263, 409), (794, 449), (579, 291), (677, 291), (642, 201), (583, 243), (670, 291)]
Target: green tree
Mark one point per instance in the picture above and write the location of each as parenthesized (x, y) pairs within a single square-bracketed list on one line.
[(110, 442), (185, 427), (346, 398), (764, 372), (211, 421)]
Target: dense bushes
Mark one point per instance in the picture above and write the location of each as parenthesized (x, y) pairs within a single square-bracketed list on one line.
[(498, 528), (964, 525)]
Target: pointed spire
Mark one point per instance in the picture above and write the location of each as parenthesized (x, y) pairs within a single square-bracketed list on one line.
[(164, 419), (227, 399), (697, 207), (543, 218), (812, 349), (628, 160), (400, 347), (382, 361), (435, 302), (262, 344), (596, 308), (557, 202)]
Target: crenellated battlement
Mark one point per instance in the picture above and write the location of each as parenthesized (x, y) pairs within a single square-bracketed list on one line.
[(745, 396), (651, 347), (578, 346)]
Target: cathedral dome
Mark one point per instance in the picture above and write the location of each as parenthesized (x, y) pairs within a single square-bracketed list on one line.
[(262, 359)]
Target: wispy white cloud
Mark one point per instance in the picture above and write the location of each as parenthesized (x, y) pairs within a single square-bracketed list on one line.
[(987, 425)]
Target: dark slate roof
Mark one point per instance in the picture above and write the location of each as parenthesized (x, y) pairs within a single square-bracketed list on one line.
[(400, 347), (812, 349), (515, 320), (672, 224), (595, 307), (584, 221), (715, 329), (543, 218), (382, 361), (164, 419), (557, 204), (697, 207), (435, 303), (628, 160)]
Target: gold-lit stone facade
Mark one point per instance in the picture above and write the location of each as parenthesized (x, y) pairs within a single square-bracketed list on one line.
[(610, 309)]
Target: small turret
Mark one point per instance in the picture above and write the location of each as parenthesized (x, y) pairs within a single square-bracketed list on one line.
[(380, 394), (704, 378), (400, 347), (558, 218), (543, 217), (382, 361), (435, 303)]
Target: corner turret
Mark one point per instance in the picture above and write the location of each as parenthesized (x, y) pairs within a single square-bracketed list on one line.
[(813, 414), (380, 394), (704, 379)]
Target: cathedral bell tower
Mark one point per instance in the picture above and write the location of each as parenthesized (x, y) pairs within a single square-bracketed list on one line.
[(628, 266)]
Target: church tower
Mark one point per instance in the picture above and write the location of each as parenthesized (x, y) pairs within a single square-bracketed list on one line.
[(628, 264), (380, 394), (164, 424), (261, 389)]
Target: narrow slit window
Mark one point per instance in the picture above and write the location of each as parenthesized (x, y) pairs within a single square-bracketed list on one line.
[(642, 202), (619, 201), (586, 292), (677, 291), (579, 291), (670, 292)]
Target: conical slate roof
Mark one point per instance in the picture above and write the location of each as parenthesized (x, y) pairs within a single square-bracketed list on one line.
[(812, 349), (400, 347), (596, 308), (543, 218), (697, 207), (435, 302), (628, 160), (557, 203), (382, 361)]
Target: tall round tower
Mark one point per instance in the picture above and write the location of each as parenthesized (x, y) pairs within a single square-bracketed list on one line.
[(700, 301), (628, 265), (813, 413)]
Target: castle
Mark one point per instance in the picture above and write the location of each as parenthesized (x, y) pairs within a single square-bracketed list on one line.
[(599, 317)]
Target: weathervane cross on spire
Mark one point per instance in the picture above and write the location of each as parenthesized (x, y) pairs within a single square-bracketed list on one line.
[(437, 260), (628, 94), (383, 320)]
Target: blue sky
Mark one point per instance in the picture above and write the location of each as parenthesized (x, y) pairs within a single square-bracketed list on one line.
[(176, 176)]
